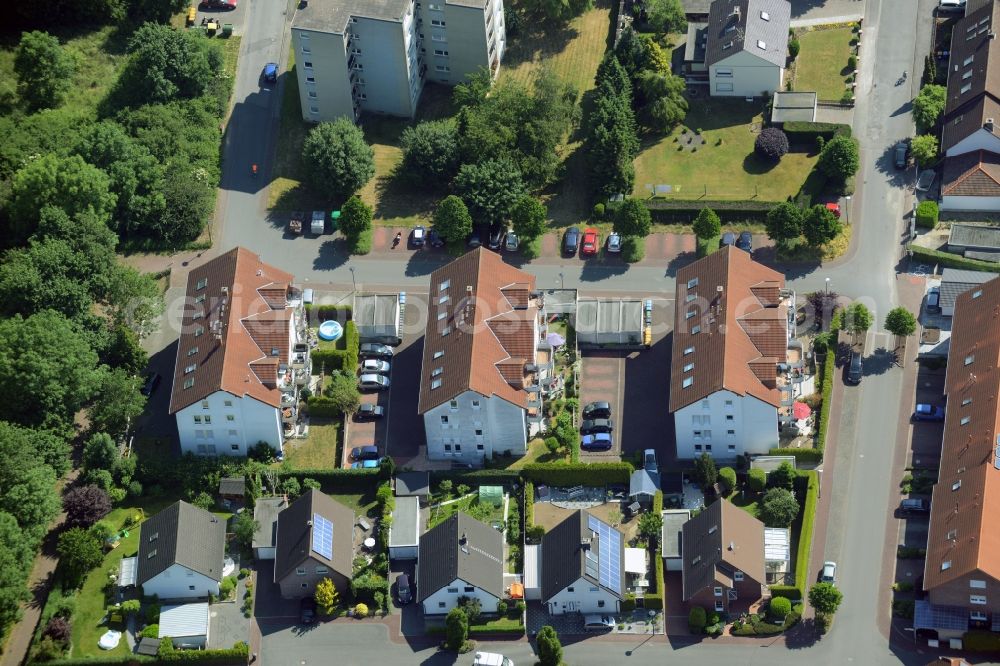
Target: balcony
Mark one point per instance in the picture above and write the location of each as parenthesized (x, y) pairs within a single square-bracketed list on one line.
[(289, 414)]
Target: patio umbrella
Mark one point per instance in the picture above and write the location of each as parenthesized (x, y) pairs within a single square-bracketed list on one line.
[(555, 339), (801, 410)]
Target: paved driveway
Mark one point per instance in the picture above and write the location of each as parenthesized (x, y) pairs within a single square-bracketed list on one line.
[(602, 376), (404, 427)]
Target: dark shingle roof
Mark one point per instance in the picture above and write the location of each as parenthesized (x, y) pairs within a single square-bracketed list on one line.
[(739, 25), (955, 282), (265, 512), (443, 556), (181, 534), (564, 560), (295, 528), (973, 74), (232, 485)]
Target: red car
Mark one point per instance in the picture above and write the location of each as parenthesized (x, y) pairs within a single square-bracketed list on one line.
[(591, 240), (223, 5), (834, 208)]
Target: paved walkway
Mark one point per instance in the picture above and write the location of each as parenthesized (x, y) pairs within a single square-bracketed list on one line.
[(39, 582)]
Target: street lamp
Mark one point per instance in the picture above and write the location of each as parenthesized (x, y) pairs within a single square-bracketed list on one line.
[(827, 285), (355, 282), (847, 209), (561, 283)]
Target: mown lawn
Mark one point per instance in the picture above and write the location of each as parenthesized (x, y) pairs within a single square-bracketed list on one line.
[(724, 166), (822, 62), (746, 502), (572, 52), (537, 452), (319, 449)]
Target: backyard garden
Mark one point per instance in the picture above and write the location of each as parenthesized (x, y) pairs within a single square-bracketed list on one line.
[(827, 61)]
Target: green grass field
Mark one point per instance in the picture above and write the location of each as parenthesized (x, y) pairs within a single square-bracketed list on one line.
[(724, 166), (319, 449), (822, 62)]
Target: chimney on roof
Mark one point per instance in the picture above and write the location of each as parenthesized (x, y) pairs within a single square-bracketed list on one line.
[(992, 35), (463, 539), (584, 543), (732, 545), (988, 125)]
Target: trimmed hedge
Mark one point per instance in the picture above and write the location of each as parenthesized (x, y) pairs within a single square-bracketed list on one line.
[(787, 591), (235, 656), (801, 455), (801, 132), (320, 405), (949, 260), (655, 601), (829, 368), (927, 214), (581, 474), (339, 359), (806, 530), (529, 506), (681, 211), (476, 477), (338, 480), (322, 312)]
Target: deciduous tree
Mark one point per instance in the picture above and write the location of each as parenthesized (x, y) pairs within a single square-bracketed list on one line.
[(489, 189), (244, 527), (456, 629), (549, 647), (355, 217), (924, 149), (666, 15), (528, 217), (117, 404), (452, 220), (430, 152), (705, 472), (857, 319), (771, 143), (784, 223), (707, 224), (665, 101), (928, 106), (825, 598), (327, 597), (839, 159), (727, 475), (85, 505), (79, 552), (778, 508), (342, 389), (900, 322), (633, 219), (166, 64), (783, 476), (820, 225), (756, 479), (338, 161), (44, 70)]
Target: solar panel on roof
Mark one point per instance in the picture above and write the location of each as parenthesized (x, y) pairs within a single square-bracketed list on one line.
[(609, 554), (322, 536)]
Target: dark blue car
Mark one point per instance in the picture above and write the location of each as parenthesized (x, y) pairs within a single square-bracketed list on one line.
[(271, 72), (925, 412)]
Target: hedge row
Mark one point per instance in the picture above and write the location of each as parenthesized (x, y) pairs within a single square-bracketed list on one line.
[(655, 601), (806, 531), (805, 132), (529, 505), (476, 477), (320, 405), (787, 591), (235, 656), (826, 387), (322, 312), (581, 474), (338, 480), (676, 211), (801, 455), (365, 586), (949, 260)]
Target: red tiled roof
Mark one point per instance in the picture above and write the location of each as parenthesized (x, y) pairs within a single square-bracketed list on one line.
[(484, 322), (742, 328), (974, 174), (961, 538), (231, 326)]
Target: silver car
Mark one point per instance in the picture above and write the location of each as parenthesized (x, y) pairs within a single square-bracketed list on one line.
[(829, 573), (614, 245), (373, 382), (374, 365)]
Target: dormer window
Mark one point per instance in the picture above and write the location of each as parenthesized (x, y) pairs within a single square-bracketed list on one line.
[(202, 283), (689, 350), (765, 16), (692, 283), (689, 367), (688, 381), (436, 383), (761, 45)]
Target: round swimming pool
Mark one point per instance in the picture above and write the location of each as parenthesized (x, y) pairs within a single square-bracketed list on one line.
[(330, 330)]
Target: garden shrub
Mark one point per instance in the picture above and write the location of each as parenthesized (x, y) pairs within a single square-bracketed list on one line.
[(697, 619), (805, 133), (633, 249), (948, 260), (583, 474), (779, 607), (786, 591), (801, 455), (771, 143), (927, 214)]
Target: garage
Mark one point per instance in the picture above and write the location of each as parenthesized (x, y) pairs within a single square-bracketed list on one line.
[(404, 533), (186, 625), (379, 317), (615, 323)]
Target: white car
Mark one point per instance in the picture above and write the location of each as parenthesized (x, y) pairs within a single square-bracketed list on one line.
[(829, 573), (614, 245), (374, 365)]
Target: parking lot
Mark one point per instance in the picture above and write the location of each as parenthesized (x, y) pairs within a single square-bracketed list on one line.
[(624, 378)]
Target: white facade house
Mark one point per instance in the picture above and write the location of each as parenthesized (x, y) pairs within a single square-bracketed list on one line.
[(746, 46), (729, 384), (241, 358), (583, 566), (460, 557), (181, 552), (485, 360), (353, 57)]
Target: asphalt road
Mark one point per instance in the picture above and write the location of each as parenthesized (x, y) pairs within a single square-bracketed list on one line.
[(896, 35)]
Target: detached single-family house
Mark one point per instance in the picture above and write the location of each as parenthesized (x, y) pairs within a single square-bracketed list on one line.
[(730, 346), (460, 557), (583, 566), (241, 357), (746, 47), (265, 512), (962, 569), (181, 553), (314, 541), (485, 356), (971, 181), (723, 551)]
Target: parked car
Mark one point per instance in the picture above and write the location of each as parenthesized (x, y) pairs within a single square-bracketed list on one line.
[(854, 368), (598, 623), (403, 591), (491, 659), (600, 441), (571, 241), (900, 157), (373, 382), (474, 239), (510, 242), (597, 410), (829, 574), (368, 412), (307, 610), (365, 464), (369, 452), (745, 242), (728, 238), (495, 240), (593, 426), (951, 5), (271, 72), (914, 505), (591, 241), (434, 239), (649, 460), (614, 244), (152, 381), (375, 350), (224, 5), (418, 236), (934, 300), (834, 208), (925, 412), (376, 365)]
